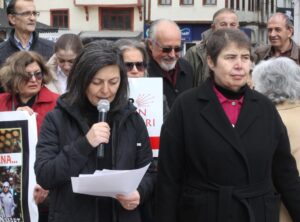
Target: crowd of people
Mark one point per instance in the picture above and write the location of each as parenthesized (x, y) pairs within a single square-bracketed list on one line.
[(229, 144)]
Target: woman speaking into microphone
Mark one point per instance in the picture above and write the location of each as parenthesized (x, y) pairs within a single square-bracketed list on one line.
[(72, 133)]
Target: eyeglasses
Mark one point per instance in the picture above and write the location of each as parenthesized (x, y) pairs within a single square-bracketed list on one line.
[(140, 66), (37, 75), (27, 13), (168, 49)]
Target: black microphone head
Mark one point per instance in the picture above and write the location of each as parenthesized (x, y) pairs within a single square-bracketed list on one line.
[(103, 105)]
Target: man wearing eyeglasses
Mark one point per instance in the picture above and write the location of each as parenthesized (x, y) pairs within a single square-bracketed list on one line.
[(22, 16), (196, 55), (164, 48)]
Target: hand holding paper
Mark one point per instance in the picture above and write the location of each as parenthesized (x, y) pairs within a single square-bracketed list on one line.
[(109, 183)]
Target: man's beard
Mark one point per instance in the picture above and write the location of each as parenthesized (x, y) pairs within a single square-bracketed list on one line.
[(166, 65)]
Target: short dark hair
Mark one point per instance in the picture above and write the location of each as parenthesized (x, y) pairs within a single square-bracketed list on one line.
[(221, 11), (95, 56), (13, 71), (10, 9), (222, 38), (69, 41)]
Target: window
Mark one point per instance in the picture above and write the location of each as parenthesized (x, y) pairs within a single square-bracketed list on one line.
[(272, 6), (237, 5), (164, 2), (60, 18), (231, 4), (116, 19), (186, 2), (250, 5), (209, 2), (243, 5)]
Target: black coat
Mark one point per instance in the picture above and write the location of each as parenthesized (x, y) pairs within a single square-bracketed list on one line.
[(39, 45), (63, 152), (210, 171), (184, 79)]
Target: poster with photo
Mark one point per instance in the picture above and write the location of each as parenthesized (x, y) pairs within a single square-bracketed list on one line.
[(18, 137)]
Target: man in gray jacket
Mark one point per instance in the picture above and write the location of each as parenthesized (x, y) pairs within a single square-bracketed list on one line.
[(280, 32), (196, 55)]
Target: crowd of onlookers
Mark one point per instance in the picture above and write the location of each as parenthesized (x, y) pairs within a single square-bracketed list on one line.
[(227, 152)]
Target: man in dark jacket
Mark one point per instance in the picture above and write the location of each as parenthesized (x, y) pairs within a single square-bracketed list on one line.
[(280, 32), (22, 16), (164, 46)]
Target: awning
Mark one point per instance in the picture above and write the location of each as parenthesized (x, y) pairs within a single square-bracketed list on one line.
[(109, 35)]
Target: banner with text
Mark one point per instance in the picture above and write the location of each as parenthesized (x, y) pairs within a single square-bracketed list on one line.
[(147, 95), (18, 138)]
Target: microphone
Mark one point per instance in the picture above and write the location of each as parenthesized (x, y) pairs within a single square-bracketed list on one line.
[(103, 108)]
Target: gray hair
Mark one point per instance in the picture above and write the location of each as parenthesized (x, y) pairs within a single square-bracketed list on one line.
[(154, 24), (278, 79), (125, 44), (287, 20)]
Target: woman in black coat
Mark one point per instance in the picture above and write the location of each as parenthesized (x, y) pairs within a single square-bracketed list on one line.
[(71, 134), (224, 153)]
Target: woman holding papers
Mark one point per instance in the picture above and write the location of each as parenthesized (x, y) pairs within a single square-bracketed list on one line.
[(225, 153), (71, 135)]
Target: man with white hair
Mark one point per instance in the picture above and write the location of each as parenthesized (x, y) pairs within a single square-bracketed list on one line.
[(164, 47)]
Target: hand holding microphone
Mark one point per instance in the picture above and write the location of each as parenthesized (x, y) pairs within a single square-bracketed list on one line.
[(99, 133)]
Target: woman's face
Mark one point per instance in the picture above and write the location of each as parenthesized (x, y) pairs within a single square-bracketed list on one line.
[(65, 60), (33, 84), (232, 68), (104, 85), (134, 62)]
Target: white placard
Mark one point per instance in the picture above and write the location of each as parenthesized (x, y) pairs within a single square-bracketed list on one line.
[(18, 138), (147, 94)]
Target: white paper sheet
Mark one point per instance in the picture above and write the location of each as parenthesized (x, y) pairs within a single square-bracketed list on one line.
[(108, 183)]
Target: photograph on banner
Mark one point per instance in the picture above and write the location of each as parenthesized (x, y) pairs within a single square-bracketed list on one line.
[(147, 96), (14, 169)]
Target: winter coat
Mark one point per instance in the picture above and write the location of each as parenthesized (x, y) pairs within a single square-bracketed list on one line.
[(211, 171), (184, 79), (265, 52), (290, 114), (64, 152), (45, 101), (39, 45)]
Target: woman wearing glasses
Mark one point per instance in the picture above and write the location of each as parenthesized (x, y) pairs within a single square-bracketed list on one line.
[(23, 76), (135, 57), (66, 48)]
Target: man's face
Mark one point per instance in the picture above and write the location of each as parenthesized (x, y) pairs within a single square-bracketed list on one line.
[(225, 20), (166, 46), (24, 20), (278, 33)]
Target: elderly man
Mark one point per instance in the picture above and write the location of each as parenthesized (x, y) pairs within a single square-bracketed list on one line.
[(196, 55), (164, 47), (280, 32), (22, 17)]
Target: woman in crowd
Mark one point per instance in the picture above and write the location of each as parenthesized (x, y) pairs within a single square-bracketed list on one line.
[(224, 152), (24, 76), (71, 134), (279, 79), (135, 57), (66, 48)]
